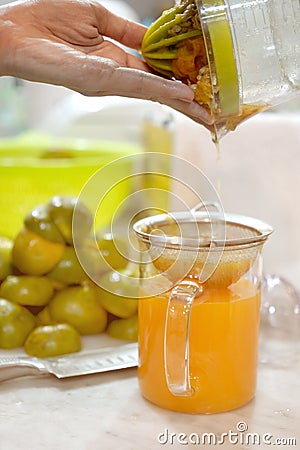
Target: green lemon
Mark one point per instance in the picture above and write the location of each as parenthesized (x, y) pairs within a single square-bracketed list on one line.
[(34, 255), (27, 290), (118, 293), (16, 322), (78, 306), (126, 329), (61, 210), (68, 270), (52, 340), (39, 221), (113, 249), (6, 245), (44, 317)]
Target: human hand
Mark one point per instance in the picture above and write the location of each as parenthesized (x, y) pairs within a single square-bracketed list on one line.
[(64, 42)]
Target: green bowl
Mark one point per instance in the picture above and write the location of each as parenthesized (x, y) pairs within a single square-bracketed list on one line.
[(35, 168)]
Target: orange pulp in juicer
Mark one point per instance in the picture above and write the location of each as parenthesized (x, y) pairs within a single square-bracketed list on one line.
[(223, 349)]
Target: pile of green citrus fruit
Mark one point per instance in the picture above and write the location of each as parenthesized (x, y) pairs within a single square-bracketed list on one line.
[(47, 300)]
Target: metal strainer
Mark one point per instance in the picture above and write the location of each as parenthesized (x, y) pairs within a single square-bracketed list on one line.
[(214, 248)]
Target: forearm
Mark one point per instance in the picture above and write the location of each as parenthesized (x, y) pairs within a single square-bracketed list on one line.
[(5, 26)]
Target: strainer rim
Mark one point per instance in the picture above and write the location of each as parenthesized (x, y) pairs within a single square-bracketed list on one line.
[(143, 227)]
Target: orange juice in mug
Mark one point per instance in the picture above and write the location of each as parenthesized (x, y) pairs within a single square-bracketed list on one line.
[(199, 310)]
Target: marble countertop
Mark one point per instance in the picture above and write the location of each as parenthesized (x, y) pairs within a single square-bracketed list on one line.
[(106, 411)]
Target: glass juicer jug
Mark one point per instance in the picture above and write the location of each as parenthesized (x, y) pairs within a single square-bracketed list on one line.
[(251, 53)]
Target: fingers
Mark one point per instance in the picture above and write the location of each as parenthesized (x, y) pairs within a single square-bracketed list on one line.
[(192, 110), (125, 31), (137, 84), (110, 50), (110, 79), (100, 77)]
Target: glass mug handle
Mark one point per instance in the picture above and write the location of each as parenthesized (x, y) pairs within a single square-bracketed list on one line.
[(176, 337), (177, 328)]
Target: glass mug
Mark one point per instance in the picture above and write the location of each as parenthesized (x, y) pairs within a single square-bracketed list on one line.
[(200, 281)]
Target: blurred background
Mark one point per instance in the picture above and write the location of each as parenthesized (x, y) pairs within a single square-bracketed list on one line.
[(255, 170)]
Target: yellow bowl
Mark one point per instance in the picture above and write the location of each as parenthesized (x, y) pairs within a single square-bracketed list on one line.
[(35, 168)]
